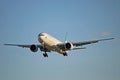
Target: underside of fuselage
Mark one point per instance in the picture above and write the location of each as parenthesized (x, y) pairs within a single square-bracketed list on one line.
[(50, 44), (55, 48)]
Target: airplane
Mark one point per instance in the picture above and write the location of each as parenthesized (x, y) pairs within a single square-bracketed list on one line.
[(49, 43)]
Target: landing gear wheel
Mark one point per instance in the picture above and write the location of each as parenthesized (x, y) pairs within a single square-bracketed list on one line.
[(65, 54), (45, 54)]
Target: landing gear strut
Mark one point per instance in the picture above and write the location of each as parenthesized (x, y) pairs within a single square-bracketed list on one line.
[(45, 50), (45, 54)]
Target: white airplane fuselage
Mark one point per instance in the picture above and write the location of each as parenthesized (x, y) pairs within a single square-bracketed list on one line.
[(50, 42)]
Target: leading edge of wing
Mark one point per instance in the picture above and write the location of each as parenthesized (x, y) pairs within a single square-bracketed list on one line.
[(89, 42), (19, 45), (79, 48), (106, 39)]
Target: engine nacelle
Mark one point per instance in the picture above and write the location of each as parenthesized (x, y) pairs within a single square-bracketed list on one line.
[(69, 46), (33, 48)]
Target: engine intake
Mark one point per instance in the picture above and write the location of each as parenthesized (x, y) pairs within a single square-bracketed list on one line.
[(33, 48), (69, 46)]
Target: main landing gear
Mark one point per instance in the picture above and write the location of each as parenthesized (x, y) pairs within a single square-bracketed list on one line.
[(65, 54), (45, 54)]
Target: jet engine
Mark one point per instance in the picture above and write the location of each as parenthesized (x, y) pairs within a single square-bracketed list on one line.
[(69, 46), (33, 48)]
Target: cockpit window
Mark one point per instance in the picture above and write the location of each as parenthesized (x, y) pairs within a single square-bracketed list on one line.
[(41, 34)]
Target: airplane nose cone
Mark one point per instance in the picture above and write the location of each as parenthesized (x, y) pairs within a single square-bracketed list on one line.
[(40, 39)]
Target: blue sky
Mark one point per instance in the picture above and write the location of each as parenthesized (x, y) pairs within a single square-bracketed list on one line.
[(22, 20)]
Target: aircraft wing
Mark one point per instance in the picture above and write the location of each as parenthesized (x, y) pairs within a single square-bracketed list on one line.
[(23, 46), (89, 42)]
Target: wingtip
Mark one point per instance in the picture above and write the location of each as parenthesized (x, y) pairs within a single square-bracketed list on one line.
[(5, 44), (111, 38), (106, 39), (10, 44)]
